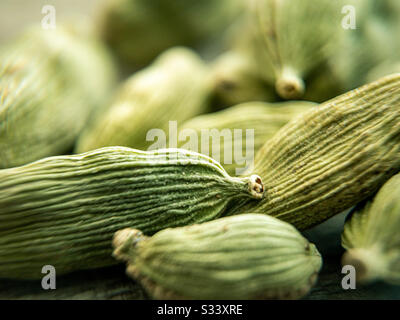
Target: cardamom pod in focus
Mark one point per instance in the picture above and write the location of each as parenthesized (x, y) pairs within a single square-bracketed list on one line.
[(243, 257), (231, 125), (332, 157), (51, 81), (371, 236), (294, 38), (175, 87), (139, 30), (64, 210)]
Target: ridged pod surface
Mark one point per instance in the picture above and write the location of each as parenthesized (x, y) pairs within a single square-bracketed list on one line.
[(62, 211), (175, 87), (50, 83), (371, 236), (138, 30), (332, 157), (242, 257), (230, 143), (294, 37)]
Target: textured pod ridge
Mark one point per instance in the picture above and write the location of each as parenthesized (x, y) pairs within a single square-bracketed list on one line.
[(332, 157), (249, 256), (74, 204)]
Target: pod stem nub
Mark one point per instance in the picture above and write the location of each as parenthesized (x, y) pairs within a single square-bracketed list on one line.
[(289, 85), (256, 187), (124, 241), (368, 263)]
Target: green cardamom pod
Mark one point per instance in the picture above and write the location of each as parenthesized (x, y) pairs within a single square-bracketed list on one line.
[(236, 80), (51, 81), (139, 30), (383, 69), (175, 87), (62, 211), (238, 132), (363, 49), (294, 37), (371, 236), (247, 256), (331, 157)]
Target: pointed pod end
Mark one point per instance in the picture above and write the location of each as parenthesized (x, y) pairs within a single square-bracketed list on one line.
[(124, 240), (256, 187), (290, 86), (359, 259)]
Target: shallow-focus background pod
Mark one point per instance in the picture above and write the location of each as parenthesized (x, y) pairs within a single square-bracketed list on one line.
[(51, 81), (371, 236), (139, 30)]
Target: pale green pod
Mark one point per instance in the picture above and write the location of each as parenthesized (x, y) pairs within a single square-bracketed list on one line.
[(237, 133), (371, 236), (51, 81), (331, 157), (139, 30), (383, 69), (295, 38), (248, 256), (174, 88), (236, 80), (62, 211), (363, 49)]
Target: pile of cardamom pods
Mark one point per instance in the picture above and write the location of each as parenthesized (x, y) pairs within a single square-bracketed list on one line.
[(103, 158)]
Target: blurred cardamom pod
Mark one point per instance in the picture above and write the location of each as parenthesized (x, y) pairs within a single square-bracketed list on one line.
[(371, 236), (292, 38), (139, 30), (231, 144), (51, 81), (236, 80), (175, 87)]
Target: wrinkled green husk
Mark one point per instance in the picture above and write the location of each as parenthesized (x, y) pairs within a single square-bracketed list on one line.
[(175, 88), (292, 38), (264, 118), (243, 257), (139, 30), (371, 236), (63, 210), (236, 80), (51, 81), (329, 159)]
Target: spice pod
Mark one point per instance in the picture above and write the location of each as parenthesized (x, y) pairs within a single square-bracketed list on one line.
[(62, 211), (175, 87), (293, 38), (248, 256), (371, 236), (332, 157), (51, 82), (237, 133)]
